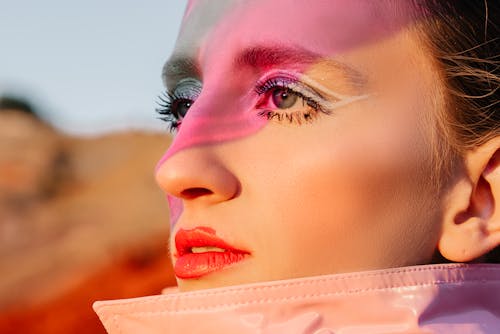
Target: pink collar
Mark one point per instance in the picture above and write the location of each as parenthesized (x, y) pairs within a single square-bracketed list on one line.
[(444, 298)]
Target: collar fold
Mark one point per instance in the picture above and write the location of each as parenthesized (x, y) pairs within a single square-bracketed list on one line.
[(444, 298)]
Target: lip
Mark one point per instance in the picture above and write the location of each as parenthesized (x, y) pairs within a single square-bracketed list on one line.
[(190, 265)]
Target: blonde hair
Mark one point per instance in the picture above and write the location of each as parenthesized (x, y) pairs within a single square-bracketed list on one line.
[(463, 38)]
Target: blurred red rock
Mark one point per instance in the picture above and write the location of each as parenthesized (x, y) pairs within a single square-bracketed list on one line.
[(140, 272), (81, 219)]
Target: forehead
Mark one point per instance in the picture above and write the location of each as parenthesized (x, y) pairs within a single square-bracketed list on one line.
[(326, 27), (342, 40)]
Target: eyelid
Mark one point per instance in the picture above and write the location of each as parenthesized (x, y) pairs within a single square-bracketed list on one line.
[(310, 88), (342, 100), (290, 81), (188, 86)]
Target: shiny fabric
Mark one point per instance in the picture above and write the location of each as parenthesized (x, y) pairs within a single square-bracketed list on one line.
[(447, 298)]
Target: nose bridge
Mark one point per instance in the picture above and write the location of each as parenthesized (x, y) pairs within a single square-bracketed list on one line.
[(217, 116), (192, 168)]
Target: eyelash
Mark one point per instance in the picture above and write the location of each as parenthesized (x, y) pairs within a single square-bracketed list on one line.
[(167, 108), (169, 103), (313, 106)]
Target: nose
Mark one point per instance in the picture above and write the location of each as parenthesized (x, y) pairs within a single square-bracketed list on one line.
[(197, 174)]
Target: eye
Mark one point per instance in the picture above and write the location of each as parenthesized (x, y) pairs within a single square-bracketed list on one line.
[(173, 106), (283, 99), (180, 107), (173, 109)]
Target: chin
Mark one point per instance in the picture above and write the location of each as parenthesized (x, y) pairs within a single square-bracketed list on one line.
[(236, 275)]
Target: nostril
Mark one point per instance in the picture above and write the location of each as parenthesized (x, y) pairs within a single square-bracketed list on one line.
[(195, 192)]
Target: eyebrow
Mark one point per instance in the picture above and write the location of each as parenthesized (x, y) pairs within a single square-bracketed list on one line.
[(261, 57), (264, 57), (177, 68)]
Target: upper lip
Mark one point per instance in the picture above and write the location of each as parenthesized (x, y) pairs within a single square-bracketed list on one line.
[(186, 239)]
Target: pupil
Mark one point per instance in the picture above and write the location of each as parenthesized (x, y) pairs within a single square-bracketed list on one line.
[(283, 98), (183, 107)]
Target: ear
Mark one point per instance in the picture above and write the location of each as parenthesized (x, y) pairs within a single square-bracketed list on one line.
[(471, 225)]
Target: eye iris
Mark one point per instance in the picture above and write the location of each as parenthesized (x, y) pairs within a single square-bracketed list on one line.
[(283, 98)]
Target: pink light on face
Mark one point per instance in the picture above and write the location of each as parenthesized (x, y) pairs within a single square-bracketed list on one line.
[(217, 117), (214, 124), (250, 38), (175, 205)]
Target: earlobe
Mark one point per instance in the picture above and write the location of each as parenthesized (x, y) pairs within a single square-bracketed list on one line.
[(471, 224)]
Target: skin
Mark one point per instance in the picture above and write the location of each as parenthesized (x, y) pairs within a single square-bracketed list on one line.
[(346, 191)]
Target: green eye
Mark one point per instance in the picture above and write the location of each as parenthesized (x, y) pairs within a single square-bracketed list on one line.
[(284, 98)]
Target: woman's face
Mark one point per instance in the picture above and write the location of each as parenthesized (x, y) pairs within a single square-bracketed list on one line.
[(306, 146)]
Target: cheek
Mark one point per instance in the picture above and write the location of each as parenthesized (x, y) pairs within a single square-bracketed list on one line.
[(348, 187), (352, 160)]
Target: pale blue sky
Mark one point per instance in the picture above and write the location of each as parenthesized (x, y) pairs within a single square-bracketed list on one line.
[(93, 66)]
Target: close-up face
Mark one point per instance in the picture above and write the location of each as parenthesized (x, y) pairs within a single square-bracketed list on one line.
[(303, 142)]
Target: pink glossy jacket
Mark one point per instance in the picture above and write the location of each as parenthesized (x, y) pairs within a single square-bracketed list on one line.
[(451, 298)]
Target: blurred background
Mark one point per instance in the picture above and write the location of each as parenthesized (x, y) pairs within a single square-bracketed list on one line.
[(81, 218)]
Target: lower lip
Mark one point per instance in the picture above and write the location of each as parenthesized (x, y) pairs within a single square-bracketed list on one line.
[(195, 265)]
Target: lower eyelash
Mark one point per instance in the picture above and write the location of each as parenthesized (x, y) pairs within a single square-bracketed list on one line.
[(292, 118)]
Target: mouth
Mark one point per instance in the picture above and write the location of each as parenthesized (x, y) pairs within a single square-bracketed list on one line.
[(201, 252)]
